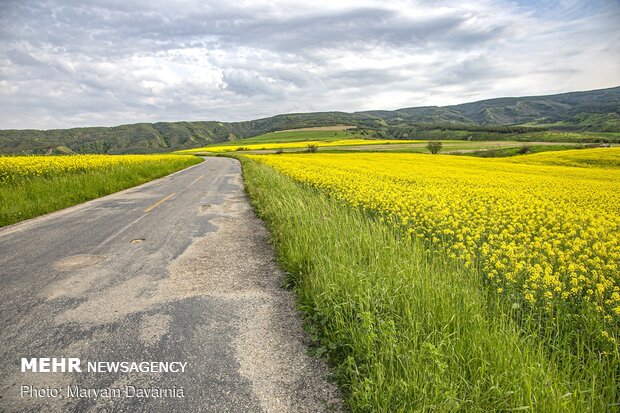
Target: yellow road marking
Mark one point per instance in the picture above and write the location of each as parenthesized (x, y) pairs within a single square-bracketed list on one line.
[(196, 180), (158, 203)]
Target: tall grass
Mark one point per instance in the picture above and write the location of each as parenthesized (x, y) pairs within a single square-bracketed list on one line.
[(408, 329), (32, 197)]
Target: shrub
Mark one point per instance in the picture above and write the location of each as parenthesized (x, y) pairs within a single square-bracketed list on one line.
[(313, 147), (434, 146), (525, 149)]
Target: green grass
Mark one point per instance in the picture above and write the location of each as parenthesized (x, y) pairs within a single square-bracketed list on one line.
[(476, 139), (298, 136), (33, 197), (484, 149), (546, 136), (464, 139), (478, 148), (409, 330), (518, 150)]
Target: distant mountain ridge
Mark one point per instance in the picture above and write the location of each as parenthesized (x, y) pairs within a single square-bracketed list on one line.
[(596, 110), (565, 110)]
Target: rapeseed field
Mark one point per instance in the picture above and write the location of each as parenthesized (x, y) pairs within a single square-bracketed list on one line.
[(35, 185), (544, 229), (294, 145), (444, 283), (16, 168)]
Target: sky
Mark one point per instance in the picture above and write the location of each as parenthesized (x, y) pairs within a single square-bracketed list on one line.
[(109, 62)]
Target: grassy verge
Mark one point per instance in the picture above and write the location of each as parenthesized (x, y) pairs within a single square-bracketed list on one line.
[(408, 329), (515, 151), (32, 197)]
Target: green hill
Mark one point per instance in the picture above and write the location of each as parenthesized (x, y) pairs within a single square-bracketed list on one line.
[(596, 110), (591, 111)]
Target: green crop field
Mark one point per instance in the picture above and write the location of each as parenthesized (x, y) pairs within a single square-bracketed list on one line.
[(299, 136), (360, 140)]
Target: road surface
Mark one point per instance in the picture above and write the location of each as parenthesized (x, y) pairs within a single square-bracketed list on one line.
[(176, 270)]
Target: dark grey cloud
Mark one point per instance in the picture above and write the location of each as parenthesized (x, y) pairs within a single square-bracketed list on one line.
[(70, 63)]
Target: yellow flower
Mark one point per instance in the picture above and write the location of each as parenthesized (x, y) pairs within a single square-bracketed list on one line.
[(537, 224)]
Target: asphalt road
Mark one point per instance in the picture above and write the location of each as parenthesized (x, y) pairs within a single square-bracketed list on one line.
[(176, 270)]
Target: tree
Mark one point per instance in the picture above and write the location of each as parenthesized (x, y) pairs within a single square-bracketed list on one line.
[(434, 146)]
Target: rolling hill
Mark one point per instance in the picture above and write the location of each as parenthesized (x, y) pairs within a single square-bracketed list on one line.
[(597, 110), (593, 111)]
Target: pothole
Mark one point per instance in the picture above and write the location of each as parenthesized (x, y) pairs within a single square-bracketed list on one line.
[(76, 262)]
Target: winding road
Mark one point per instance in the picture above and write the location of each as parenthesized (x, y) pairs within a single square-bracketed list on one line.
[(175, 270)]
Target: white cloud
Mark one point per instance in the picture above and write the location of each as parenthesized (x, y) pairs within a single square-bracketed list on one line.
[(106, 62)]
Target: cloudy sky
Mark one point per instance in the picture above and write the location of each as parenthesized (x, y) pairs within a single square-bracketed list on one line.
[(108, 62)]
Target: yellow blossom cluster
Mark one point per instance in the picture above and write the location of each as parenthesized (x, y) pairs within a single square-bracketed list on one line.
[(543, 233), (291, 145), (17, 168)]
